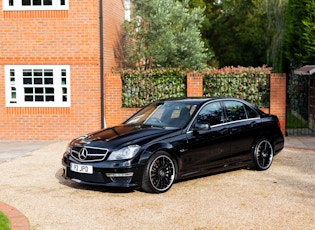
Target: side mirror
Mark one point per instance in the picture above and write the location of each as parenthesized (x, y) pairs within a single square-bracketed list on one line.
[(202, 126)]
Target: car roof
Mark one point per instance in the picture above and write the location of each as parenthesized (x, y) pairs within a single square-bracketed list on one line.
[(197, 100)]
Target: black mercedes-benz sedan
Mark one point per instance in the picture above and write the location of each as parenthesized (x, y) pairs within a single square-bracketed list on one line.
[(172, 140)]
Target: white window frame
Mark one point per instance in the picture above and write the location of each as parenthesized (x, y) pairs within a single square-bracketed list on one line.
[(15, 89), (19, 7), (127, 6)]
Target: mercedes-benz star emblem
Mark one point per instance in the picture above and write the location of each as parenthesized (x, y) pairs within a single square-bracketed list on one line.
[(83, 154)]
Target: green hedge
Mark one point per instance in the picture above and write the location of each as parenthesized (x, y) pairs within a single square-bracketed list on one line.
[(140, 88), (251, 84)]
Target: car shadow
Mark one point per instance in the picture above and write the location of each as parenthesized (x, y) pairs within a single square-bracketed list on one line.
[(207, 174), (75, 185)]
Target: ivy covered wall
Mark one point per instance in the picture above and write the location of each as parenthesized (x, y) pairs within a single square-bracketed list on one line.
[(142, 88)]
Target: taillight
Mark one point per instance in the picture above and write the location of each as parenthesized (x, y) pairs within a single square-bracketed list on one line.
[(279, 125)]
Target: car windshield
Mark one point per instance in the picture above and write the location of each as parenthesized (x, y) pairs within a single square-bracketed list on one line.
[(166, 114)]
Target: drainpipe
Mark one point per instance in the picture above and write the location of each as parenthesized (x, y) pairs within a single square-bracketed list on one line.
[(102, 64)]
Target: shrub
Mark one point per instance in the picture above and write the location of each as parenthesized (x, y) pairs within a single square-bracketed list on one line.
[(140, 88)]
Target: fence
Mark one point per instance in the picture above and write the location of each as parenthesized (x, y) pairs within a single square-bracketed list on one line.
[(301, 105)]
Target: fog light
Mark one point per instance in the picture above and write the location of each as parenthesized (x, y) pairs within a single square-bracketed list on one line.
[(120, 177), (119, 174)]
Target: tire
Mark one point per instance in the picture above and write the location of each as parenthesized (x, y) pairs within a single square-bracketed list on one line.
[(263, 153), (159, 173)]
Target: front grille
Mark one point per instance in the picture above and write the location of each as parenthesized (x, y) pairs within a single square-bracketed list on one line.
[(121, 179), (96, 177), (88, 154)]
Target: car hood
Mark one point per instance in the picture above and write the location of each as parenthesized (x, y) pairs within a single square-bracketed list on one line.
[(122, 135)]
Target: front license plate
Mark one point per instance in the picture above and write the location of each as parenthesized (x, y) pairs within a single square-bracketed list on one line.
[(88, 169)]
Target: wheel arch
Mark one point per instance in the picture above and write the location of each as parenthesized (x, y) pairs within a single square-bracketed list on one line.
[(152, 149), (264, 134)]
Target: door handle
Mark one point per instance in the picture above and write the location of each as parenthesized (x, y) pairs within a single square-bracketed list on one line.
[(234, 130), (224, 131)]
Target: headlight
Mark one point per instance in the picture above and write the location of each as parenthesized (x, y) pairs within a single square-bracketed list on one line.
[(81, 137), (124, 153), (68, 148)]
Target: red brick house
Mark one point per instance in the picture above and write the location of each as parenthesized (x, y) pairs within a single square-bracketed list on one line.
[(56, 60), (54, 55)]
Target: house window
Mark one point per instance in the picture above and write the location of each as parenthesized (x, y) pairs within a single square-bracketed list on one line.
[(35, 5), (37, 86)]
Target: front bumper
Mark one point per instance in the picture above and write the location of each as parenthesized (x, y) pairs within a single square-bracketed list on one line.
[(108, 174)]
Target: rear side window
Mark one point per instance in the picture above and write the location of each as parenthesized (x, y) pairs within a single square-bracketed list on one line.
[(251, 113), (235, 111)]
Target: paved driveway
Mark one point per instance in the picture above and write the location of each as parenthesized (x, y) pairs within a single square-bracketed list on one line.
[(12, 149), (282, 197)]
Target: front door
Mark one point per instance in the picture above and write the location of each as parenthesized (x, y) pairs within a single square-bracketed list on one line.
[(206, 140)]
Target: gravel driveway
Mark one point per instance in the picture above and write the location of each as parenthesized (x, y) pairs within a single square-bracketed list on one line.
[(282, 197)]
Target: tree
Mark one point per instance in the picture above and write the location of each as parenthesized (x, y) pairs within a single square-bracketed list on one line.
[(294, 49), (238, 33), (244, 32), (275, 32), (164, 33), (309, 32)]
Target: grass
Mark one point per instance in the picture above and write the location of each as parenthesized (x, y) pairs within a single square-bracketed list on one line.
[(4, 222)]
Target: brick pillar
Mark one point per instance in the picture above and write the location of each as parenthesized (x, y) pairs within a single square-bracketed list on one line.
[(114, 113), (278, 98), (112, 97), (194, 85)]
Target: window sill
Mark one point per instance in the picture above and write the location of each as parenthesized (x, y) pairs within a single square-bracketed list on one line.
[(36, 14)]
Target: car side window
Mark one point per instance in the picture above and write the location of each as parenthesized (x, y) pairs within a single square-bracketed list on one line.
[(235, 110), (211, 114), (251, 113)]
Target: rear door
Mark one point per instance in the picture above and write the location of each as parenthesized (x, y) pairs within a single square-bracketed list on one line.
[(244, 123)]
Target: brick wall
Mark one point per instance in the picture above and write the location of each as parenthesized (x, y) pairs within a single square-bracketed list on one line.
[(115, 114), (194, 85), (278, 98), (59, 37), (113, 18)]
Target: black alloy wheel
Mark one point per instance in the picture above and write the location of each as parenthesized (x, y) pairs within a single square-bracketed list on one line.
[(263, 154), (159, 174)]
